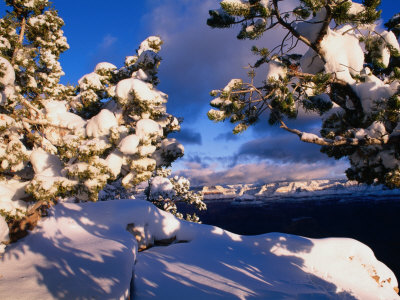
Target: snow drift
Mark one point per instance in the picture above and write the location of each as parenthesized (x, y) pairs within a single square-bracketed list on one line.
[(84, 251)]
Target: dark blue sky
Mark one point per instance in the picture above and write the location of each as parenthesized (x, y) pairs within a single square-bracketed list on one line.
[(196, 60)]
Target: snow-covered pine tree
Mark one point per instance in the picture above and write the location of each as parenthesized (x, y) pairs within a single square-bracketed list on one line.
[(60, 141), (349, 75)]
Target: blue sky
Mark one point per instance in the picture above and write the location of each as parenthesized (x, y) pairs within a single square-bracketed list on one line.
[(196, 60)]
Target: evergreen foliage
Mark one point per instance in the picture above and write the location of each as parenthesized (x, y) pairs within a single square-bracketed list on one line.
[(69, 142), (349, 76)]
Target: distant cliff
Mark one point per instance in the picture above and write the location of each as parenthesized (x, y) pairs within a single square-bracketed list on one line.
[(294, 189)]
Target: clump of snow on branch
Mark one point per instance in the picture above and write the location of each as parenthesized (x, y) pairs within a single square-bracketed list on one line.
[(165, 192)]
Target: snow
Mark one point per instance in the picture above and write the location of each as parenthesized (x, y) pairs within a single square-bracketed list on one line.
[(7, 80), (265, 3), (143, 165), (57, 114), (376, 131), (391, 40), (146, 128), (238, 4), (8, 77), (114, 163), (140, 74), (130, 60), (161, 186), (83, 251), (276, 70), (104, 66), (3, 233), (217, 102), (45, 164), (129, 144), (6, 121), (151, 43), (232, 84), (11, 193), (131, 89), (343, 54), (305, 136), (146, 150), (356, 8), (372, 90), (91, 80), (100, 124)]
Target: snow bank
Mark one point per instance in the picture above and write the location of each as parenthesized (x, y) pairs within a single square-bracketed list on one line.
[(81, 251), (84, 251)]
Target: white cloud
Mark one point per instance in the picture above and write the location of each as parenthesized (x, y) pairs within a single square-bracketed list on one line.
[(197, 58), (108, 41)]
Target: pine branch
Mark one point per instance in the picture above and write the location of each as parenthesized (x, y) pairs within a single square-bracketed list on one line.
[(340, 141), (325, 27), (294, 32), (20, 39)]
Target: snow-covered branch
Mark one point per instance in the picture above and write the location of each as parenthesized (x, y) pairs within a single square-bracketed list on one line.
[(349, 77)]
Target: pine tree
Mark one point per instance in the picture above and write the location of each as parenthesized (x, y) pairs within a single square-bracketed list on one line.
[(349, 76), (68, 142)]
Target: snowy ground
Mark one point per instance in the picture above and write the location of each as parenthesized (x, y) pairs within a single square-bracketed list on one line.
[(84, 251)]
